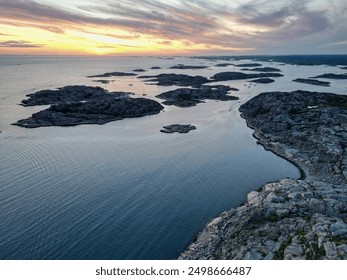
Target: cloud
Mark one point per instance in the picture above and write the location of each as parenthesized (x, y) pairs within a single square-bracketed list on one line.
[(19, 44), (216, 24)]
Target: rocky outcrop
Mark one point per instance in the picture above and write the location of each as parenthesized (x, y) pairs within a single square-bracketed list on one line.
[(332, 76), (289, 219), (228, 76), (179, 128), (64, 94), (262, 69), (312, 82), (182, 66), (223, 64), (77, 105), (262, 81), (248, 65), (112, 74), (176, 80), (188, 97)]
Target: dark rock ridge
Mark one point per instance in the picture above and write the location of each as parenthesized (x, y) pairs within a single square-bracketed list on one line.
[(188, 97), (180, 128), (262, 69), (176, 80), (182, 66), (289, 219), (64, 94), (226, 76), (112, 74), (312, 82), (155, 67), (223, 64), (102, 81), (262, 81), (77, 105), (139, 70), (248, 65), (332, 76)]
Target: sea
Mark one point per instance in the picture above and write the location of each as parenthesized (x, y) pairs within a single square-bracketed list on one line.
[(124, 190)]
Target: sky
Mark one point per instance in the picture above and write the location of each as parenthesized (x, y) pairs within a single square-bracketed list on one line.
[(172, 27)]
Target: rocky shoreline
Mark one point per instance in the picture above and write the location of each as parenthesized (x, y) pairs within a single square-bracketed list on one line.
[(290, 219)]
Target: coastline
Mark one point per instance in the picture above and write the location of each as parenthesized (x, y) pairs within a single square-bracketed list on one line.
[(289, 219)]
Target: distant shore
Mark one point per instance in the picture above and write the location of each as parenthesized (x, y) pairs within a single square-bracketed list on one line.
[(289, 219)]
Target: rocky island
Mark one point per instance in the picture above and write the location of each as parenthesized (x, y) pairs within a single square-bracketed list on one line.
[(188, 97), (176, 80), (332, 76), (290, 219), (262, 69), (191, 67), (312, 82), (262, 81), (179, 128), (112, 74), (75, 105), (228, 76)]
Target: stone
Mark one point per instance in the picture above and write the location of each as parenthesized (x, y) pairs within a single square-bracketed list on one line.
[(180, 128), (316, 206), (253, 198)]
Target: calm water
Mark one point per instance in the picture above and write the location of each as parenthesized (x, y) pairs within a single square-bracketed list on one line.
[(123, 190)]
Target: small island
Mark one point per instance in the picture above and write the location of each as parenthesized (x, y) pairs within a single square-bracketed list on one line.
[(192, 67), (112, 74), (332, 76), (188, 97), (228, 76), (76, 105), (179, 128), (176, 80), (312, 82), (262, 81)]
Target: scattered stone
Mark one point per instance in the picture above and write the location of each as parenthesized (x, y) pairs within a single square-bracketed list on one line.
[(188, 97), (180, 128), (112, 74), (312, 82)]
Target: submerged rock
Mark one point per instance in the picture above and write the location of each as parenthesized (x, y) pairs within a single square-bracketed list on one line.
[(188, 97), (180, 128)]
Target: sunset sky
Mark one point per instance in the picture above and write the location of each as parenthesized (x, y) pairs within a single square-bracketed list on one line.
[(172, 27)]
